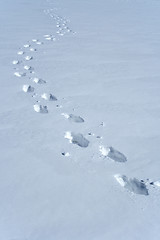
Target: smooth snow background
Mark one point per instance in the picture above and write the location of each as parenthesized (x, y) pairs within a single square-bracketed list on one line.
[(107, 72)]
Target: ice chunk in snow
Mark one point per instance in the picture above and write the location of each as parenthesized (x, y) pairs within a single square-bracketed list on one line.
[(157, 183), (65, 115)]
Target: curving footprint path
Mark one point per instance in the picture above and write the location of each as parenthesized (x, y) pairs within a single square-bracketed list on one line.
[(23, 68), (26, 70)]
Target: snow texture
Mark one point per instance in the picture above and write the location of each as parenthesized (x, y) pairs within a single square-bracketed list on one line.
[(89, 69)]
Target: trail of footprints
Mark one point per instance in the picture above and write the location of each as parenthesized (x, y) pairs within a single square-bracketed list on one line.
[(24, 69), (23, 65)]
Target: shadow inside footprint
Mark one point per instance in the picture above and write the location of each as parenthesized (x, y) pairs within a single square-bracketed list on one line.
[(132, 184), (75, 118), (77, 138)]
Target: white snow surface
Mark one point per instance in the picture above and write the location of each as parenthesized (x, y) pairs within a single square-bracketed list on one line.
[(103, 66)]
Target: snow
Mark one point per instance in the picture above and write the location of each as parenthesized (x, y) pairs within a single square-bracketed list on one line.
[(57, 178)]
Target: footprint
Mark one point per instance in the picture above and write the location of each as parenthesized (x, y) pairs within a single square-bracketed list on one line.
[(39, 80), (19, 74), (49, 97), (34, 40), (26, 46), (15, 62), (77, 138), (28, 68), (33, 49), (28, 58), (50, 38), (40, 109), (20, 52), (113, 154), (39, 43), (46, 35), (73, 118), (28, 88), (132, 184)]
